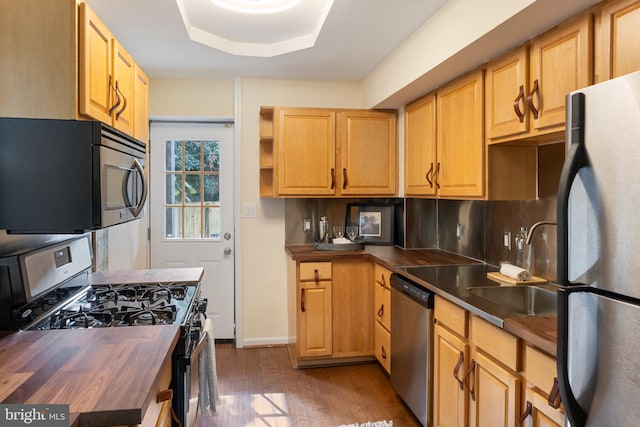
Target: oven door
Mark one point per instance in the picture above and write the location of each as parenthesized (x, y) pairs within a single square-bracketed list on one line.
[(123, 186), (191, 383)]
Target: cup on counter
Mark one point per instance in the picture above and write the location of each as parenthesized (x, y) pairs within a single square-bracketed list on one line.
[(338, 231)]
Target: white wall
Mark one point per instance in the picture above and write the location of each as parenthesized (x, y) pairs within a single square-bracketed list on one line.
[(262, 275), (264, 281), (191, 98)]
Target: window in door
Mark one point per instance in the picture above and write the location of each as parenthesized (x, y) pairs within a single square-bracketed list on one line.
[(192, 189)]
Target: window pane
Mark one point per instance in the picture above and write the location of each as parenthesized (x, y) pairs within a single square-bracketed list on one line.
[(192, 155), (192, 223), (212, 156), (174, 189), (192, 188), (211, 189), (173, 155), (211, 222), (173, 223)]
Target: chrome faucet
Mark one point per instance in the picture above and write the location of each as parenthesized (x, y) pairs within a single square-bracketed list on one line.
[(534, 227)]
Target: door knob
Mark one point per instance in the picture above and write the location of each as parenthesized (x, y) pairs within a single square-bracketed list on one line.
[(227, 251), (227, 235)]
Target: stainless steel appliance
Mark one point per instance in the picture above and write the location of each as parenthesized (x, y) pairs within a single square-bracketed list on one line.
[(68, 176), (411, 344), (598, 263), (48, 288)]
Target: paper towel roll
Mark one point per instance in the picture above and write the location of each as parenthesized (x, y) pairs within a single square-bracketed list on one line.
[(515, 272)]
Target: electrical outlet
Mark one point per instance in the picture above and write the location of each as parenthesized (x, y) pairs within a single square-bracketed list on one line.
[(306, 225), (506, 240), (248, 210)]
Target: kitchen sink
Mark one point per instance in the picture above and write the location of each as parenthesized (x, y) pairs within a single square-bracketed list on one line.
[(521, 299)]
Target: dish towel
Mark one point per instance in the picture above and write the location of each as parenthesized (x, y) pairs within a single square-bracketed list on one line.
[(208, 374), (515, 272)]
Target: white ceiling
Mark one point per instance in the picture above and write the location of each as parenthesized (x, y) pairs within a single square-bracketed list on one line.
[(356, 36)]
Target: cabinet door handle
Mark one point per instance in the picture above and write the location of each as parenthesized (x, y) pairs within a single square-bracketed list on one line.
[(516, 104), (383, 352), (115, 90), (302, 307), (525, 414), (124, 102), (164, 395), (316, 276), (456, 370), (345, 180), (428, 175), (534, 91), (436, 175), (333, 178), (382, 282), (381, 310), (554, 395), (470, 374)]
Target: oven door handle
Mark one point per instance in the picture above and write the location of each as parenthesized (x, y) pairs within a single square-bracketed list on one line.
[(137, 209), (195, 354)]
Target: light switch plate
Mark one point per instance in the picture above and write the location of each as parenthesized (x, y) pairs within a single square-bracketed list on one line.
[(248, 210)]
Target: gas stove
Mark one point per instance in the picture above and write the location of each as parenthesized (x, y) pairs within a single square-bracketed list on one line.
[(114, 305), (49, 288)]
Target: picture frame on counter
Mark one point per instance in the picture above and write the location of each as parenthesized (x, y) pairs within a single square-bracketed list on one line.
[(375, 222)]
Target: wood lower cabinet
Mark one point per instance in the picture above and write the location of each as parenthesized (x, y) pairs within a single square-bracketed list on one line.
[(315, 309), (541, 405), (159, 411), (618, 43), (450, 399), (317, 152), (382, 316), (330, 305), (476, 371)]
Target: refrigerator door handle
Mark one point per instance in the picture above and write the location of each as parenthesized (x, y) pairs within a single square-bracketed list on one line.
[(576, 159), (574, 412)]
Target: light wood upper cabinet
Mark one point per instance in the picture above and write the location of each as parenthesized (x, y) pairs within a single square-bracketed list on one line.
[(618, 44), (526, 90), (306, 152), (108, 76), (460, 138), (320, 152), (420, 147), (561, 62), (141, 105), (95, 72), (124, 76), (368, 153)]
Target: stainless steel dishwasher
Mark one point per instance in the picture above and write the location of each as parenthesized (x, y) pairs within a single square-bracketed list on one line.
[(411, 342)]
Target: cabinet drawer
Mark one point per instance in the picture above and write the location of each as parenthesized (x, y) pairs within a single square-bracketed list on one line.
[(308, 271), (382, 306), (382, 276), (451, 316), (540, 369), (382, 340), (494, 341)]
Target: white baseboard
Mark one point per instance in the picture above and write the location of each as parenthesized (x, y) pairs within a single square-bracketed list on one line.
[(264, 342)]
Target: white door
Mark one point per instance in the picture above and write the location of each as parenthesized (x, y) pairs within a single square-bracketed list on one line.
[(191, 209)]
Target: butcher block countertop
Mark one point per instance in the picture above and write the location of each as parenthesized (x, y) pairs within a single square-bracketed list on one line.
[(157, 275), (107, 376), (539, 331)]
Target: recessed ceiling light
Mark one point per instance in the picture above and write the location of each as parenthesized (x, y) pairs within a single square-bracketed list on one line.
[(256, 6)]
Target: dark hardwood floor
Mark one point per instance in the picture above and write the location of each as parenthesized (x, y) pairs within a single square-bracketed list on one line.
[(259, 387)]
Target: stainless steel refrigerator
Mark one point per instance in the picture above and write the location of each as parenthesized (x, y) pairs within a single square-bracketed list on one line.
[(599, 256)]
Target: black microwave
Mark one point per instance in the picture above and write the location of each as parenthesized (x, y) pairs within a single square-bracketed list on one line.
[(68, 176)]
